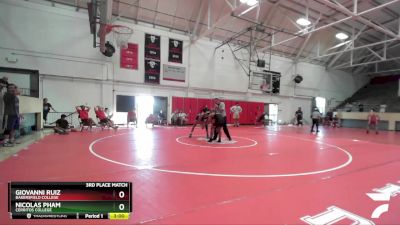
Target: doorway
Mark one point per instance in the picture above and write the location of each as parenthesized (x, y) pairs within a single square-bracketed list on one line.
[(273, 113), (160, 109), (320, 104), (144, 107)]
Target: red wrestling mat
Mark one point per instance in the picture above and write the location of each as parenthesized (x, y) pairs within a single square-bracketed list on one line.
[(264, 176)]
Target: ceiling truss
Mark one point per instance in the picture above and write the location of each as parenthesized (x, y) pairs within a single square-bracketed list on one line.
[(373, 25)]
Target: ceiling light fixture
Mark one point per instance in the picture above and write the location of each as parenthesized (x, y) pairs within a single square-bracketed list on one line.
[(251, 2), (303, 21), (341, 36)]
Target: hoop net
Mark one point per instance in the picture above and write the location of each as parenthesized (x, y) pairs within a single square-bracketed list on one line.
[(121, 35)]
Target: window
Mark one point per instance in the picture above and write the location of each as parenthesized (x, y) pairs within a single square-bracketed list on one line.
[(321, 103), (26, 80)]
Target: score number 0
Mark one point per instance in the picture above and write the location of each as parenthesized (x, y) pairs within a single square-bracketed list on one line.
[(121, 195)]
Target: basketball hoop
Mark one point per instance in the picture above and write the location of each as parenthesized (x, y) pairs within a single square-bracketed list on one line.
[(121, 34)]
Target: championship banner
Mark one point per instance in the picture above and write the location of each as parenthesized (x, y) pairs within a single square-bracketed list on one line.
[(152, 47), (174, 73), (175, 51), (129, 57), (151, 71)]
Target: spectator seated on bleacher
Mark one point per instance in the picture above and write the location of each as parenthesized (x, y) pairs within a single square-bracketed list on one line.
[(361, 107), (103, 119), (349, 107), (83, 112)]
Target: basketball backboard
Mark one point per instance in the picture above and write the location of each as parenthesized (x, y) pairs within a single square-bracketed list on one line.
[(100, 14)]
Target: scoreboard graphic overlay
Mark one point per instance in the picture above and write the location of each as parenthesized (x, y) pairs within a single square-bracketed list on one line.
[(70, 200)]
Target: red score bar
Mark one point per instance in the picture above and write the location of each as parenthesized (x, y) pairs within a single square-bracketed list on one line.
[(81, 195), (69, 192)]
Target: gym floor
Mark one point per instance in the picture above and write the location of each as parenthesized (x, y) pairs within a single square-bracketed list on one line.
[(277, 175)]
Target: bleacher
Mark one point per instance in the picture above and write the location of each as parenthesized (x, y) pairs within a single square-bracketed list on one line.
[(380, 91)]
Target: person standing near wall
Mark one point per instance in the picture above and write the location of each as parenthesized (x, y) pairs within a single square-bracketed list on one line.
[(315, 116), (46, 109), (361, 107), (373, 119), (299, 117), (220, 109), (236, 110), (12, 117)]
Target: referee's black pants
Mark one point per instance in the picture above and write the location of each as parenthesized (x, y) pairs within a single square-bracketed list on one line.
[(316, 123), (226, 131)]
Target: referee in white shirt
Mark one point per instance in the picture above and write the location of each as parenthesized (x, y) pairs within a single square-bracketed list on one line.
[(315, 116)]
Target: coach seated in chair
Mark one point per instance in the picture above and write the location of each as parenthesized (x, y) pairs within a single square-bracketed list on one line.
[(104, 120), (83, 112)]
